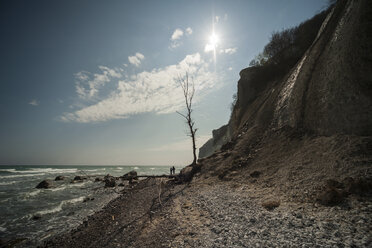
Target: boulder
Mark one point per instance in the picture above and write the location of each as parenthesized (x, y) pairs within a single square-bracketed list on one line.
[(110, 182), (45, 184), (107, 176), (59, 178), (358, 186), (98, 179), (130, 175), (255, 174), (270, 205), (79, 178), (187, 173), (36, 217), (331, 197)]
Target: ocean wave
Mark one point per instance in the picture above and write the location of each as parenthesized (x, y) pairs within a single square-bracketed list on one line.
[(2, 229), (136, 168), (53, 170), (33, 193), (58, 188), (59, 207), (23, 175), (8, 183), (7, 170), (78, 184)]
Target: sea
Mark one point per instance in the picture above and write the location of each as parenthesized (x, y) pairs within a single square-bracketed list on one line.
[(28, 215)]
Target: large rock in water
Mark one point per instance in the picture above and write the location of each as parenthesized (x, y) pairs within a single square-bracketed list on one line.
[(130, 175), (110, 182), (59, 178), (45, 184)]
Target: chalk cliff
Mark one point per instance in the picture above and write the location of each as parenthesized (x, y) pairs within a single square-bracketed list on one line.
[(328, 90)]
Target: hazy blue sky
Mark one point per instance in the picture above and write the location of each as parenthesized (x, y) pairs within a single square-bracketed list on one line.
[(92, 82)]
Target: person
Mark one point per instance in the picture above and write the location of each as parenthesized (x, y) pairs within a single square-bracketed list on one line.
[(171, 170), (174, 170)]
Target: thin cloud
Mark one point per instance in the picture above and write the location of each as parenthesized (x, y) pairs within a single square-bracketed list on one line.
[(87, 85), (34, 102), (154, 91), (136, 59), (231, 50), (188, 31), (217, 18)]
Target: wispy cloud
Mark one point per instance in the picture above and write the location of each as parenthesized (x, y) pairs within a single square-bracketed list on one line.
[(136, 59), (149, 91), (34, 102), (217, 18), (88, 84), (188, 31), (230, 50), (177, 34)]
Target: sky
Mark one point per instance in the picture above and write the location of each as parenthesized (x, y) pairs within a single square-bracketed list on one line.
[(86, 82)]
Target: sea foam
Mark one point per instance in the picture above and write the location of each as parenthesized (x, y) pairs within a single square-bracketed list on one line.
[(59, 207)]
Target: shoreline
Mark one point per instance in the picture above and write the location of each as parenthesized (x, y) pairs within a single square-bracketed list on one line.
[(214, 213)]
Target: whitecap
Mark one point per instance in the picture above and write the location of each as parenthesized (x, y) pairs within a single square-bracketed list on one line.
[(136, 168), (78, 184), (58, 188), (59, 207), (7, 170), (8, 183), (33, 193), (54, 170), (27, 175), (74, 200), (2, 229)]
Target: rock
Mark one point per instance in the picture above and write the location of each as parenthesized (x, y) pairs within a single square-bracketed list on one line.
[(330, 183), (360, 186), (270, 205), (45, 184), (330, 197), (121, 185), (36, 217), (79, 178), (59, 178), (130, 175), (110, 182), (98, 179), (186, 173), (255, 174), (86, 199), (107, 176)]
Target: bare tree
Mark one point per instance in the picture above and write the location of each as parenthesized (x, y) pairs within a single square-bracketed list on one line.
[(188, 92)]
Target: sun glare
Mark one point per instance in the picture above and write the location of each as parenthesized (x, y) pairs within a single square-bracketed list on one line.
[(213, 40)]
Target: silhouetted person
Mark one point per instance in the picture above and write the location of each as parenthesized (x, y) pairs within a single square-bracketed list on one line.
[(174, 170), (171, 170)]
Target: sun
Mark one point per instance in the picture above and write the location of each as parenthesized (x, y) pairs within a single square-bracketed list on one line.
[(213, 40)]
